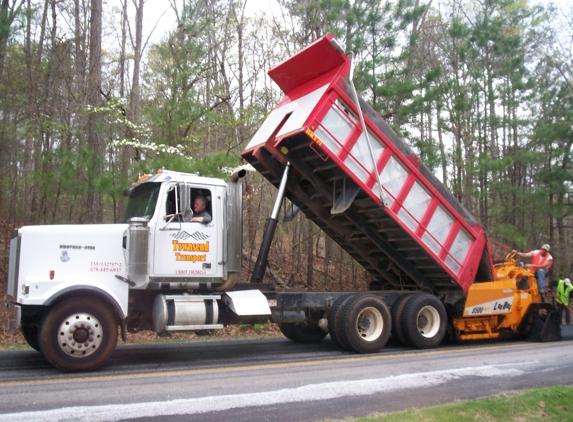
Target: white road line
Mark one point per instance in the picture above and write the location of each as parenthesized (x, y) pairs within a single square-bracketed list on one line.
[(311, 392)]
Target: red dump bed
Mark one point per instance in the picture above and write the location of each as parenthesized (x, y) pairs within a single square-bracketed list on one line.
[(404, 227)]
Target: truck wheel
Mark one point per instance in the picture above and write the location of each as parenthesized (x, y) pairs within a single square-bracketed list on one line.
[(396, 313), (79, 334), (300, 334), (30, 333), (333, 325), (423, 321), (367, 323)]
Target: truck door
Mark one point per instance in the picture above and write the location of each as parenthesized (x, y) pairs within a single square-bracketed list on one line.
[(184, 248)]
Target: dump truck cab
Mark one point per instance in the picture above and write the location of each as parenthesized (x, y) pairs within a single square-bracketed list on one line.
[(181, 249)]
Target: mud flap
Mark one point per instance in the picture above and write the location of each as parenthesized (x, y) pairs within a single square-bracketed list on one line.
[(545, 328), (14, 316)]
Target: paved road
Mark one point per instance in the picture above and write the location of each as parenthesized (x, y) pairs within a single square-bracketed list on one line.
[(272, 380)]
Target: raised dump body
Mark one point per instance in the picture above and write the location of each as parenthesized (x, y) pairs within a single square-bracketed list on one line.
[(403, 225)]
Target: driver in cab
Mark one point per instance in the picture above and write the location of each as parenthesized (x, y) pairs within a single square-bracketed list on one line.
[(200, 213)]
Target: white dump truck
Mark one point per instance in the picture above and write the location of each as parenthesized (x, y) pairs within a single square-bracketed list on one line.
[(71, 286)]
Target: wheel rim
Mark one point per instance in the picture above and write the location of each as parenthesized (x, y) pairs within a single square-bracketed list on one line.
[(370, 324), (80, 335), (428, 321)]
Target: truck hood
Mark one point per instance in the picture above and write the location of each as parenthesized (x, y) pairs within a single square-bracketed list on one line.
[(68, 250)]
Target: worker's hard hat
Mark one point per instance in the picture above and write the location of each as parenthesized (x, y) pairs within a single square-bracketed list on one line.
[(546, 247), (567, 282)]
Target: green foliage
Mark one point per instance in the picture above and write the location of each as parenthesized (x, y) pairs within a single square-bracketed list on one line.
[(553, 141), (178, 70), (428, 151), (211, 165), (7, 17), (512, 235)]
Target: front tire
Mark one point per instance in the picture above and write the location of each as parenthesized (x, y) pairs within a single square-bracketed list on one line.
[(78, 335), (30, 333)]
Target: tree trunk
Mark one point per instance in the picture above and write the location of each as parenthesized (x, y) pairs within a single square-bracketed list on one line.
[(4, 33), (7, 16), (135, 85), (309, 255), (94, 199)]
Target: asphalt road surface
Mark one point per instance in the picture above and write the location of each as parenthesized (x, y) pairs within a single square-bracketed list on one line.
[(272, 380)]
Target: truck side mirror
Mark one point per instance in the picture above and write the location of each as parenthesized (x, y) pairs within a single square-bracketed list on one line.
[(179, 203), (171, 204), (185, 200)]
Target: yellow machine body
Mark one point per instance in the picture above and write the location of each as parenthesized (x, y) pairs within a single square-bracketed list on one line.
[(496, 307)]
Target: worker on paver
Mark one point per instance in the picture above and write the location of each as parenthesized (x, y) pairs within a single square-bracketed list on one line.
[(563, 291), (541, 263)]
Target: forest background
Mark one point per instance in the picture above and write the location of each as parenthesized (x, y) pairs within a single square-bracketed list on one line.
[(482, 90)]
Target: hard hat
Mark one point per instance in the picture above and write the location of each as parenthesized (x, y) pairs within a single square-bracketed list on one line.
[(567, 282), (546, 247)]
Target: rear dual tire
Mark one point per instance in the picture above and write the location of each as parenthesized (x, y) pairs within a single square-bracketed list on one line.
[(334, 327), (360, 323), (420, 321), (396, 312), (302, 334)]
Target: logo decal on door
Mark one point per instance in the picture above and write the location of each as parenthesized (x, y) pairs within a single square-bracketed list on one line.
[(197, 236)]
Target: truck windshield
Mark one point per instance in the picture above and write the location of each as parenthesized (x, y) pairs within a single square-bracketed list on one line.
[(141, 201)]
